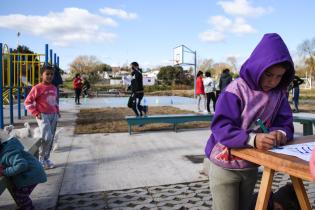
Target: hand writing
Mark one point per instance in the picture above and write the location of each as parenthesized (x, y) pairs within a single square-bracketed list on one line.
[(281, 139), (264, 141)]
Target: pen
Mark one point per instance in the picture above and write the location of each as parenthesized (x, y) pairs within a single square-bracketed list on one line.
[(261, 125), (265, 130)]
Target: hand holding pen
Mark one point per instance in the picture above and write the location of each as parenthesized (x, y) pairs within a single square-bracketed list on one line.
[(266, 140)]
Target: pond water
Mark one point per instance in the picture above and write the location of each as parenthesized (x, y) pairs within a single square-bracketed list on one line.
[(122, 101)]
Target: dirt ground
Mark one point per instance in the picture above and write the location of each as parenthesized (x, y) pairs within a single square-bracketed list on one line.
[(112, 120), (305, 107)]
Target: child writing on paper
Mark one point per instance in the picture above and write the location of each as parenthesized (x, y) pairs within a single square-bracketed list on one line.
[(259, 93)]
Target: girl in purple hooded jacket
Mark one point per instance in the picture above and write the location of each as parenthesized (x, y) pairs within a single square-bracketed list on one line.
[(259, 93)]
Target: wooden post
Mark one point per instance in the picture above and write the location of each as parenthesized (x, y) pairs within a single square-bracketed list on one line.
[(265, 189), (300, 193)]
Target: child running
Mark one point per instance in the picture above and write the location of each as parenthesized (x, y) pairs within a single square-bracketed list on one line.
[(23, 169), (259, 93), (42, 103)]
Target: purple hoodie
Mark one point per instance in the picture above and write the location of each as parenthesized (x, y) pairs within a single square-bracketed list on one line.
[(243, 102)]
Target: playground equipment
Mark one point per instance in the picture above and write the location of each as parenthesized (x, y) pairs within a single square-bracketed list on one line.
[(18, 73)]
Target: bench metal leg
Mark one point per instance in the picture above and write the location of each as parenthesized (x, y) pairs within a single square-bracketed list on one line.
[(175, 127), (307, 128), (129, 129)]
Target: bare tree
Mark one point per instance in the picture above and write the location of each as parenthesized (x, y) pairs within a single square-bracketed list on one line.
[(206, 65), (233, 62), (218, 68), (307, 51), (84, 64)]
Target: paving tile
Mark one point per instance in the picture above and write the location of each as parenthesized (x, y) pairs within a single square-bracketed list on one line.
[(191, 195)]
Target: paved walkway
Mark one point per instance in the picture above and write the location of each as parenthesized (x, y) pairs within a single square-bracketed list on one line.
[(117, 171)]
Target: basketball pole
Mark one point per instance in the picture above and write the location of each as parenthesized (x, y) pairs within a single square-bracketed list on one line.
[(195, 73)]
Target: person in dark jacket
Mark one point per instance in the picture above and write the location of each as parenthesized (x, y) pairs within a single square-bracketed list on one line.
[(23, 169), (297, 81), (57, 80), (225, 79), (137, 89), (85, 87)]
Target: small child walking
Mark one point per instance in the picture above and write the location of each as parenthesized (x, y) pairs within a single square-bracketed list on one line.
[(200, 92), (23, 169), (77, 86), (41, 102), (259, 93)]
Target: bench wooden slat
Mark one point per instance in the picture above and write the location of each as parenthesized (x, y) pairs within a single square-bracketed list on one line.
[(307, 122), (173, 119)]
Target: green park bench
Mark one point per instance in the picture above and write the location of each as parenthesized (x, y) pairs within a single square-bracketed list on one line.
[(307, 123), (30, 145), (172, 119), (175, 119)]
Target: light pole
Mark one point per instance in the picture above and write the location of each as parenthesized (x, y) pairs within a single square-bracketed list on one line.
[(18, 36), (18, 76)]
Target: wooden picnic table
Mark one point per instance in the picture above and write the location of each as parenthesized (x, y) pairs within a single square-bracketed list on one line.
[(296, 168)]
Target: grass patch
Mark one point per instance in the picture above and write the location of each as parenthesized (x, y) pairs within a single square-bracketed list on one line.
[(308, 107), (112, 120)]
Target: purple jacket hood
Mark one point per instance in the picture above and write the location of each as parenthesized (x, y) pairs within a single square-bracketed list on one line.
[(269, 51)]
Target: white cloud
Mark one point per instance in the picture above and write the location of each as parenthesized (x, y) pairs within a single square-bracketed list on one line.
[(73, 25), (243, 8), (241, 27), (212, 36), (118, 13), (221, 25)]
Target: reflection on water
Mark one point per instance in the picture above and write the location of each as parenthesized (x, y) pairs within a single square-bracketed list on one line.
[(122, 101)]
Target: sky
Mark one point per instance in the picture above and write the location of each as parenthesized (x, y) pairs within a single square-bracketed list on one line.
[(118, 32)]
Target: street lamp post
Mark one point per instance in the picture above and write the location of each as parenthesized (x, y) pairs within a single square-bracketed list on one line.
[(18, 76)]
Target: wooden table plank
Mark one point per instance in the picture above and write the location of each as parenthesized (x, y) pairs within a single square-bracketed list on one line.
[(279, 162), (297, 168)]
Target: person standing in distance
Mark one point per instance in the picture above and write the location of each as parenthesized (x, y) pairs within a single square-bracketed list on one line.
[(137, 89), (77, 86), (225, 79), (297, 81)]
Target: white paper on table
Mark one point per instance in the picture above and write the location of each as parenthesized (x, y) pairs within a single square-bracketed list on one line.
[(303, 151)]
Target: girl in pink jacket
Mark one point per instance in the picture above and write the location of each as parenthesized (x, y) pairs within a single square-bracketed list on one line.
[(41, 102)]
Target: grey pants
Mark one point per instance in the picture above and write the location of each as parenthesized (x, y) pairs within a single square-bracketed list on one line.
[(47, 126), (231, 189), (201, 97)]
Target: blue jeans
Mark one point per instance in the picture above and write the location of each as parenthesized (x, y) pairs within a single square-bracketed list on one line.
[(296, 95)]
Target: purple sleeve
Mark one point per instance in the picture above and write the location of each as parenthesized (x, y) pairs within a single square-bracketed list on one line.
[(284, 119), (226, 124)]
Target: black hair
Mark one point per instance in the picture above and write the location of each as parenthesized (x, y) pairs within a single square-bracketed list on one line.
[(199, 73), (208, 74), (135, 64), (226, 71), (287, 76), (47, 67), (76, 75)]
